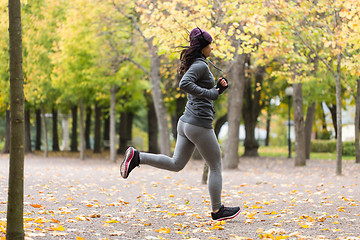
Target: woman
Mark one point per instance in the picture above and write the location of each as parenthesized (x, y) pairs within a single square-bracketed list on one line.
[(195, 125)]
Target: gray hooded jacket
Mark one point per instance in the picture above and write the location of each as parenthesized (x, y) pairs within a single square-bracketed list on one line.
[(198, 82)]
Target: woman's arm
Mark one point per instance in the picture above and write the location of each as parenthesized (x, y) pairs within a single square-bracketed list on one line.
[(187, 82)]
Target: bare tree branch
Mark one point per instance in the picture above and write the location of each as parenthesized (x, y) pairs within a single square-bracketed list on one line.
[(139, 65)]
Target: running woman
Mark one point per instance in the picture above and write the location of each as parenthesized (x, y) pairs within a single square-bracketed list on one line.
[(195, 126)]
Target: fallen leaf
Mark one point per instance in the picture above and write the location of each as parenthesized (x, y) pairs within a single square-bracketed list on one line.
[(36, 205), (59, 228), (55, 221), (163, 230)]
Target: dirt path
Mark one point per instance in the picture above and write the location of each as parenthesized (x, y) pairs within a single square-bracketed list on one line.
[(71, 199)]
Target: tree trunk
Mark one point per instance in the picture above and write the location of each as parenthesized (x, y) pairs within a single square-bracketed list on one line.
[(113, 91), (97, 129), (15, 203), (38, 130), (251, 110), (88, 127), (268, 121), (82, 132), (27, 132), (338, 116), (300, 159), (323, 122), (235, 102), (218, 124), (55, 145), (310, 115), (333, 111), (152, 128), (357, 122), (43, 120), (107, 130), (6, 148), (160, 108), (125, 131), (74, 141), (65, 130)]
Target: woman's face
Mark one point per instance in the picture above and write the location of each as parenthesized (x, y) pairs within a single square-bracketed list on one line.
[(207, 50)]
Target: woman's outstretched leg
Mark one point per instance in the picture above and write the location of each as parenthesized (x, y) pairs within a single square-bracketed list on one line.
[(183, 150)]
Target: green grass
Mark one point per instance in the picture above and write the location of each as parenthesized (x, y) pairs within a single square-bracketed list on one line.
[(283, 152)]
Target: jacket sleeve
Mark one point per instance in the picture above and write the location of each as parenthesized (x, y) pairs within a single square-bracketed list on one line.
[(188, 82)]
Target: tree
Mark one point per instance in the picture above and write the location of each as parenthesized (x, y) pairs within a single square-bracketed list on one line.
[(41, 19), (75, 67), (323, 28), (4, 72), (299, 125), (357, 122), (154, 74), (15, 206)]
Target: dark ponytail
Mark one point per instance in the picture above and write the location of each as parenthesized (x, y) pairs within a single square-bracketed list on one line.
[(187, 57)]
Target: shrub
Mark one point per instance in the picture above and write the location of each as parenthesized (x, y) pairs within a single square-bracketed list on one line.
[(323, 146), (348, 148), (329, 146)]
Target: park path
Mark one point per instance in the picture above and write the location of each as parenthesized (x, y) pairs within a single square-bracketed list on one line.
[(66, 198)]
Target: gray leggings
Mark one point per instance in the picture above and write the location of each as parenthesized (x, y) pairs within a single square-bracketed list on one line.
[(190, 136)]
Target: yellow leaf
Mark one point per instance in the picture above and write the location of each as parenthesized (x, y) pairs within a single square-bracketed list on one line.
[(163, 230), (310, 219), (111, 221), (59, 228), (39, 220), (251, 215), (336, 222), (218, 223), (304, 226), (266, 236), (281, 237), (171, 195), (217, 228), (80, 238)]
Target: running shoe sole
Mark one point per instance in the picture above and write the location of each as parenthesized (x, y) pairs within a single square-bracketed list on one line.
[(124, 168)]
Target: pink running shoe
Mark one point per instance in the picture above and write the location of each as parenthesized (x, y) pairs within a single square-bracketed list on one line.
[(131, 160)]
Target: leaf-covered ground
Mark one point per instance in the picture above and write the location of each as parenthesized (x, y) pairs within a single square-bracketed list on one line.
[(66, 198)]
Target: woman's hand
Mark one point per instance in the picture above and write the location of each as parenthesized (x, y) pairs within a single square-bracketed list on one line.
[(223, 82), (222, 85)]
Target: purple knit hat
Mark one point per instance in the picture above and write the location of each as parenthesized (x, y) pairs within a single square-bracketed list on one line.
[(199, 38)]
